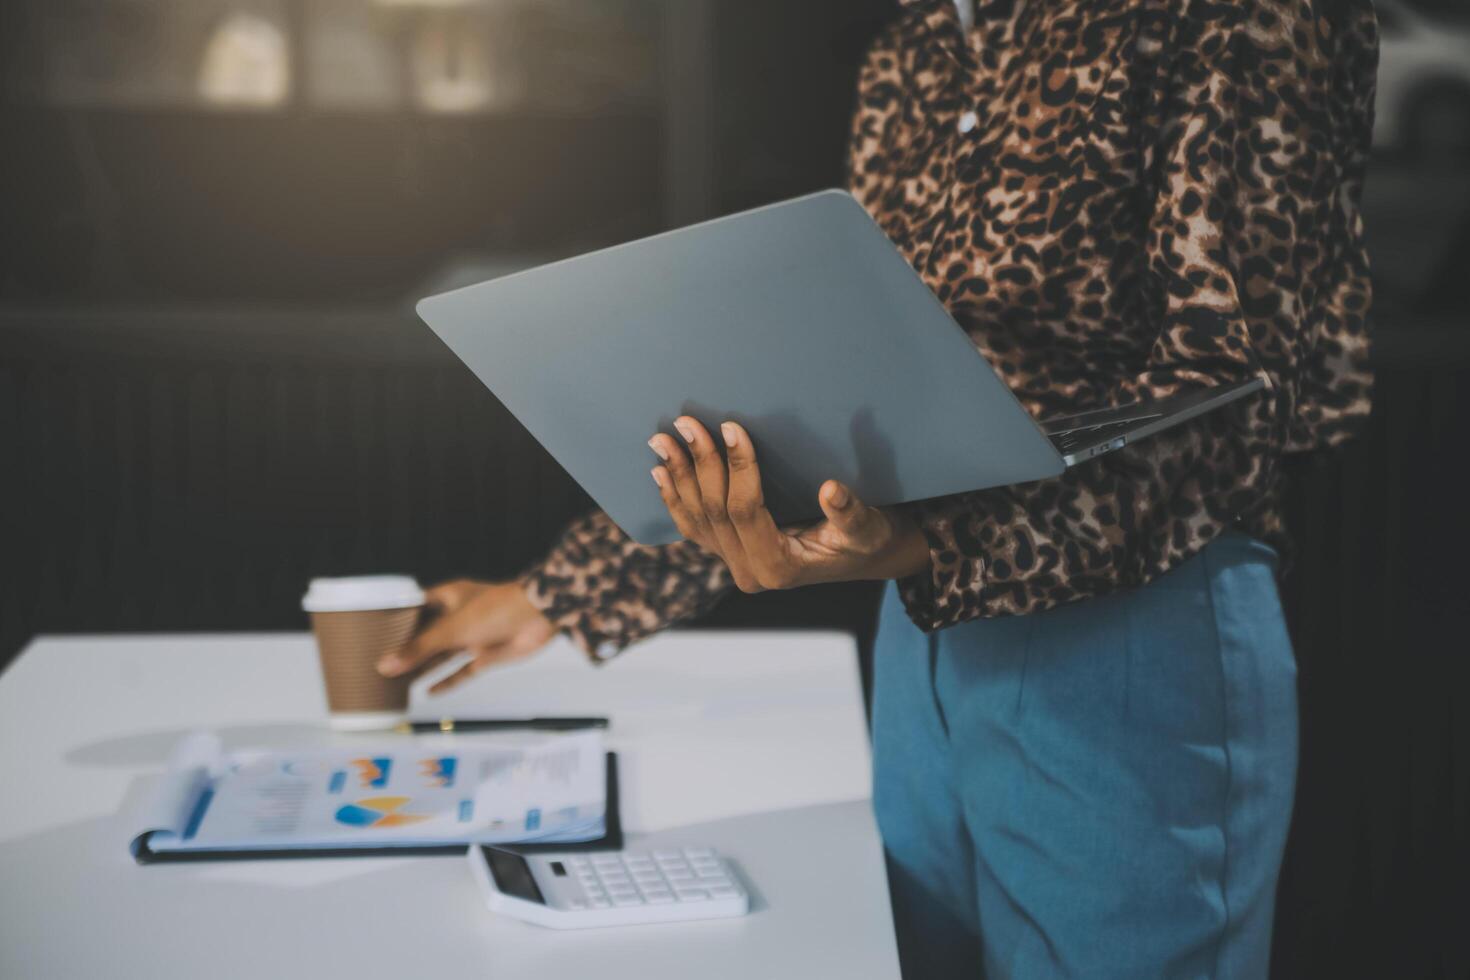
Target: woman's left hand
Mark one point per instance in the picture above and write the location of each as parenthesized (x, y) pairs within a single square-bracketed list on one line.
[(720, 506)]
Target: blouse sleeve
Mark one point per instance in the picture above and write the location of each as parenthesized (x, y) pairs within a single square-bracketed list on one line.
[(1240, 285), (605, 591)]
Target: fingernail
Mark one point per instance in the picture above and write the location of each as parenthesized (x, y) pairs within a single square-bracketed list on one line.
[(684, 430), (731, 436), (658, 476), (839, 497), (388, 664), (658, 449)]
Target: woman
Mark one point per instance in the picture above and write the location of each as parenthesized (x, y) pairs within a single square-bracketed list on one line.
[(1084, 701)]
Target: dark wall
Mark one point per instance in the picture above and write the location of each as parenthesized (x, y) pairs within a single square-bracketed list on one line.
[(1375, 882)]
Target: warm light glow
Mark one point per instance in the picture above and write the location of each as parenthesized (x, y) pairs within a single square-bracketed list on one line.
[(451, 67), (246, 63)]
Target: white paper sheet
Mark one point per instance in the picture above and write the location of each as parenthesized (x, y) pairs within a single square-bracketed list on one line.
[(544, 788)]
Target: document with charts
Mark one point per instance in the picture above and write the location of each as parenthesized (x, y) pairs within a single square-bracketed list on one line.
[(409, 793)]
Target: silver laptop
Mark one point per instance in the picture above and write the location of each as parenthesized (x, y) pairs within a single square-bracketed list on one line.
[(799, 320)]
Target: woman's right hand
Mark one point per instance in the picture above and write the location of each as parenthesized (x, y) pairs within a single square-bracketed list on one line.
[(494, 621)]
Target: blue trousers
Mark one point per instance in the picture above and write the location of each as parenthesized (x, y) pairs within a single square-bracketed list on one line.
[(1100, 790)]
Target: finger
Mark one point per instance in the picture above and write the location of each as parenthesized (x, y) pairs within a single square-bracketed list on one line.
[(464, 673), (709, 468), (443, 599), (484, 658), (733, 557), (761, 540), (714, 481), (685, 482), (442, 636), (845, 511), (446, 596), (682, 520)]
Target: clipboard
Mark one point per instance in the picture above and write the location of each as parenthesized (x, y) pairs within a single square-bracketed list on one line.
[(611, 840)]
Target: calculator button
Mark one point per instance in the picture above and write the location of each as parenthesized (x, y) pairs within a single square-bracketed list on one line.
[(711, 873), (577, 862), (576, 903), (601, 903), (635, 855), (659, 898), (692, 894), (723, 891), (623, 901), (664, 855)]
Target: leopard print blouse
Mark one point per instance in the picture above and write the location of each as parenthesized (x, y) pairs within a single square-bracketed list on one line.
[(1161, 191)]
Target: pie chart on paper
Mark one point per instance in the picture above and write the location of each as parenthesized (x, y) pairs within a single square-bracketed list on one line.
[(379, 811)]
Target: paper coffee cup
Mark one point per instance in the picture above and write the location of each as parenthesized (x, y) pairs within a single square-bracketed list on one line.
[(356, 621)]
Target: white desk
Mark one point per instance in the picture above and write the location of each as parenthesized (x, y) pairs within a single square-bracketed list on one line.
[(752, 742)]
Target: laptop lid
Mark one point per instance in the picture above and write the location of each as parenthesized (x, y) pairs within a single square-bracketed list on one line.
[(799, 320)]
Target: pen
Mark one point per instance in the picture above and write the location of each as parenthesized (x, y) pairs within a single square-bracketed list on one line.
[(500, 725)]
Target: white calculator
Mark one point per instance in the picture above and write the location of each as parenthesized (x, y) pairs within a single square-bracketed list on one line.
[(609, 888)]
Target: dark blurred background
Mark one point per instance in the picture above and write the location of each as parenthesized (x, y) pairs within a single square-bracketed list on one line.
[(216, 217)]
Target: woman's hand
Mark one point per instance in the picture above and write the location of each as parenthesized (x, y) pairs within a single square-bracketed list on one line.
[(494, 621), (720, 506)]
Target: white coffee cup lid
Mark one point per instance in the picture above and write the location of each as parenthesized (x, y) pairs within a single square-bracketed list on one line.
[(362, 592)]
